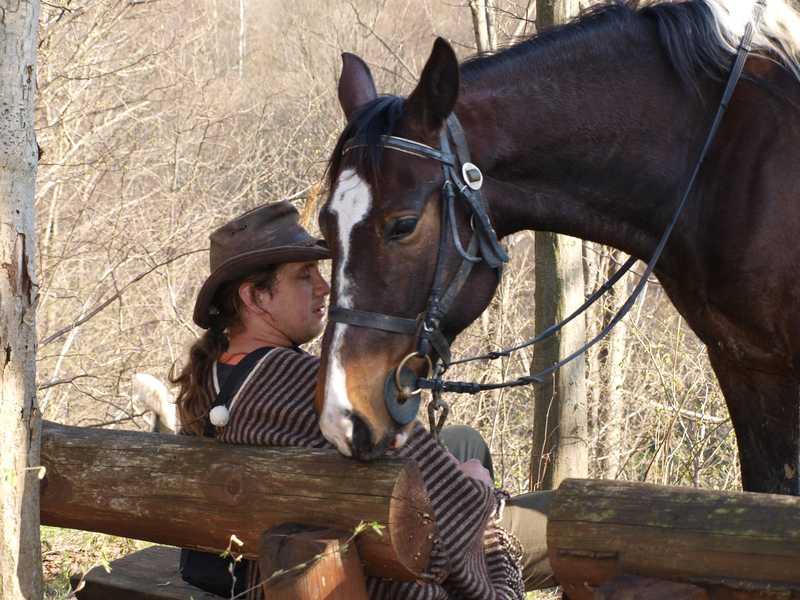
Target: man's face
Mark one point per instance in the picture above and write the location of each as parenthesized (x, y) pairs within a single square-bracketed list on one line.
[(296, 305)]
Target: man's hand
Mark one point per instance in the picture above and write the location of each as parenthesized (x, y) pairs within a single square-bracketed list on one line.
[(473, 468)]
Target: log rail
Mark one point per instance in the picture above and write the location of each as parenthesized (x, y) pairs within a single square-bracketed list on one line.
[(734, 545), (196, 493)]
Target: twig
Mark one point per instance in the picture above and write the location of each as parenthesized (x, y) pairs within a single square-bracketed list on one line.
[(693, 415), (383, 43), (63, 9), (50, 384), (103, 305), (120, 420)]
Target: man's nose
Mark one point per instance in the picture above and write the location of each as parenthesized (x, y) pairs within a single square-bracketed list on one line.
[(323, 288)]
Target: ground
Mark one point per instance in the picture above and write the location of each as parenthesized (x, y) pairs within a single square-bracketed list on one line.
[(68, 551)]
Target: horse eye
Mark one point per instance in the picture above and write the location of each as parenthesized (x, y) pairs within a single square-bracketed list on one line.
[(400, 228)]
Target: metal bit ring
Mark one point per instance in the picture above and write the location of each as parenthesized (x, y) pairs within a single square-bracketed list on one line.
[(400, 387)]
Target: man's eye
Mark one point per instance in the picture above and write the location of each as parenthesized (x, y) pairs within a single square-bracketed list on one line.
[(400, 228)]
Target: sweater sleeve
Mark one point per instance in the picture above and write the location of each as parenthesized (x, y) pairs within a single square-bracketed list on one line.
[(464, 508)]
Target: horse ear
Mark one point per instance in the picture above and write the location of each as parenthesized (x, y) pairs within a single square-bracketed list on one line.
[(435, 96), (356, 86)]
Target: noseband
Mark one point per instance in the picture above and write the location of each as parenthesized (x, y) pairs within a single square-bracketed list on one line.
[(462, 181)]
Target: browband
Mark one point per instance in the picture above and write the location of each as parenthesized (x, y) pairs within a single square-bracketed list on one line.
[(407, 146)]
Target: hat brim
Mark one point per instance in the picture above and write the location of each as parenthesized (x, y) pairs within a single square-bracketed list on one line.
[(247, 263)]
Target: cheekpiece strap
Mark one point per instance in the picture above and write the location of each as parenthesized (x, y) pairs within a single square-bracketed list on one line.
[(490, 248)]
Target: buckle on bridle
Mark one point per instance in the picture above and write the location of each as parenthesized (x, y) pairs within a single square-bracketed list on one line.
[(472, 176)]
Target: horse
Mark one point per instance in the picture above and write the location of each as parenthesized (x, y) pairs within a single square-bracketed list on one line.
[(590, 129)]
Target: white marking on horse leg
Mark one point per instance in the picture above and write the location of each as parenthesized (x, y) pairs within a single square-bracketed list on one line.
[(351, 202)]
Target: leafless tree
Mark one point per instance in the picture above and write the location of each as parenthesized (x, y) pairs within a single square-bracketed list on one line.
[(560, 430), (20, 557)]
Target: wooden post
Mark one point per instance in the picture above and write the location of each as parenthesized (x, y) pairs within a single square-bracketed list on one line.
[(196, 493), (733, 544), (560, 440), (301, 563), (20, 554)]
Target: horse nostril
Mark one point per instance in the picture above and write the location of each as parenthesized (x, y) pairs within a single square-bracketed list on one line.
[(361, 440)]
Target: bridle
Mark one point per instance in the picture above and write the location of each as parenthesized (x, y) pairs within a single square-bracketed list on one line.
[(402, 387), (462, 180)]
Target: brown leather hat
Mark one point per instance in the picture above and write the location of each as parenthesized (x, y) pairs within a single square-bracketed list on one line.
[(264, 236)]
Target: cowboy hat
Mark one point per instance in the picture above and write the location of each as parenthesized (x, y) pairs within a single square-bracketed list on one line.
[(266, 235)]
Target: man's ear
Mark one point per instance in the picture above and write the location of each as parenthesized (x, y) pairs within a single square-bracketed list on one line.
[(247, 294), (356, 86), (435, 96)]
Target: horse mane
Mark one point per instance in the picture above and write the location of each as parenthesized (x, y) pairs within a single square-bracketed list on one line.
[(376, 118), (699, 36), (778, 35)]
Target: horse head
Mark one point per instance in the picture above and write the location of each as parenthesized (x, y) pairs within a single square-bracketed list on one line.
[(384, 219)]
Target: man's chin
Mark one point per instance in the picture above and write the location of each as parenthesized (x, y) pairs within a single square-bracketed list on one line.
[(311, 334)]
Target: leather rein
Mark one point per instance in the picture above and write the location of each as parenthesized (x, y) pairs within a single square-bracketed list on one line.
[(463, 180)]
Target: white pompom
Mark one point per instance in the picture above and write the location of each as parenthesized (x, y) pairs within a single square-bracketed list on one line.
[(219, 416)]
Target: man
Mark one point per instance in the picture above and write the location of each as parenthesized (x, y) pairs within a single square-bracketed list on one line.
[(248, 382)]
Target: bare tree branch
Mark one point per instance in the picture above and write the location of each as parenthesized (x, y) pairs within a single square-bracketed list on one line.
[(387, 47), (105, 303), (50, 384)]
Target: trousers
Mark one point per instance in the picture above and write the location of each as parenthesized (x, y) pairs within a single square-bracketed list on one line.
[(525, 516)]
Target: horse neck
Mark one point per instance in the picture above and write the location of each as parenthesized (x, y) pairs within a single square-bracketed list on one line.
[(593, 141)]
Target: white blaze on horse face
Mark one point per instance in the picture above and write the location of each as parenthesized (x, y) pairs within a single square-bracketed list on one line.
[(350, 203)]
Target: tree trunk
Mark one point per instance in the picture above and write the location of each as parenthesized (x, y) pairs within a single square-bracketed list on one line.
[(555, 12), (593, 271), (560, 436), (526, 22), (331, 568), (491, 24), (483, 26), (242, 37), (617, 344), (20, 554)]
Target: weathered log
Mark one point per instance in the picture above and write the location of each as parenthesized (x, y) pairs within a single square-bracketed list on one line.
[(629, 587), (734, 545), (196, 493), (302, 563)]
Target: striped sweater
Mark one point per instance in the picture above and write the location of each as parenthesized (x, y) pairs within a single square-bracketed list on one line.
[(470, 561)]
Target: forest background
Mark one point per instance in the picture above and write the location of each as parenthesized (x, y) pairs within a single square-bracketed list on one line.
[(161, 119)]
